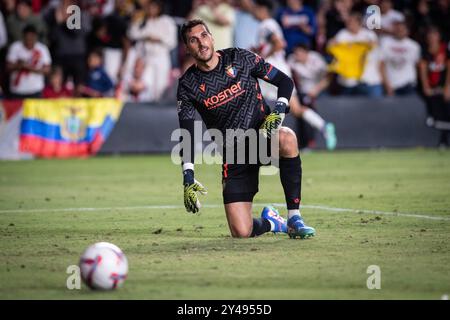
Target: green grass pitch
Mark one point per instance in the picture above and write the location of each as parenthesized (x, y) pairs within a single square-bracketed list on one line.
[(175, 255)]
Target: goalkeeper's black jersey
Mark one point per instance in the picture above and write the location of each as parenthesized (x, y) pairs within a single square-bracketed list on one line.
[(227, 97)]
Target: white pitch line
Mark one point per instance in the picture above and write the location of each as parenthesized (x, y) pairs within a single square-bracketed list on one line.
[(400, 214), (320, 207), (96, 209)]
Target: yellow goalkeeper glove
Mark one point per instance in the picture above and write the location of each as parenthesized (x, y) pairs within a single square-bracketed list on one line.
[(275, 119), (191, 187)]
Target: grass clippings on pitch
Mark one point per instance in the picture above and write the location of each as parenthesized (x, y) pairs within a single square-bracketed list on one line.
[(175, 255)]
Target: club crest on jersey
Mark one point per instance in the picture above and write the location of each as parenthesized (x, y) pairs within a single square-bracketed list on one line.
[(257, 58), (231, 71)]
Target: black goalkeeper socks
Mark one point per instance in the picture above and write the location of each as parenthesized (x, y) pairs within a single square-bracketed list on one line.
[(291, 179), (260, 226)]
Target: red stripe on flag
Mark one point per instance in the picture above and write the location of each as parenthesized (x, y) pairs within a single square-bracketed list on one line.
[(45, 148)]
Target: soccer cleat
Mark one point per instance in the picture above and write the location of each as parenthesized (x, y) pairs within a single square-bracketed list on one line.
[(330, 136), (271, 214), (298, 228)]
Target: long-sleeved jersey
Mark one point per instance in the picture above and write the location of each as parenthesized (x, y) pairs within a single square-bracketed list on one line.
[(229, 97)]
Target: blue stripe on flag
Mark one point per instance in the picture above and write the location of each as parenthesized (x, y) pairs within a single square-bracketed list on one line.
[(53, 132)]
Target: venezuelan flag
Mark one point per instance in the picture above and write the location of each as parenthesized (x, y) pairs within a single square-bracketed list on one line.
[(67, 127)]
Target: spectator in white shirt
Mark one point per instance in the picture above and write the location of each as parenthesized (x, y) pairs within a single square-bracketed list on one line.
[(3, 33), (220, 17), (28, 61), (401, 56), (136, 87), (155, 35), (246, 26), (3, 42), (270, 44), (309, 71), (389, 16)]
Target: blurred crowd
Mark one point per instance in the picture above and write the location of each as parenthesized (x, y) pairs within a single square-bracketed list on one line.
[(132, 48)]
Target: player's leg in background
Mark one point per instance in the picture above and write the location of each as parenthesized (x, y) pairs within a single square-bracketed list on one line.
[(306, 135), (315, 120), (291, 180), (429, 107), (441, 117), (241, 222)]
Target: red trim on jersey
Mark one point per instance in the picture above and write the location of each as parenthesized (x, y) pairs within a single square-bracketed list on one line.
[(270, 69), (225, 170)]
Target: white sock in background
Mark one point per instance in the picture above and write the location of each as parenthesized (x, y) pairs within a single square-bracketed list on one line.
[(314, 119), (294, 212)]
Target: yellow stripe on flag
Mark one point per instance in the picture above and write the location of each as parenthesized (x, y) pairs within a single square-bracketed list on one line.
[(54, 111)]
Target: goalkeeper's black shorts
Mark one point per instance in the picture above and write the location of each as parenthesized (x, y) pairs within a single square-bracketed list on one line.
[(240, 180)]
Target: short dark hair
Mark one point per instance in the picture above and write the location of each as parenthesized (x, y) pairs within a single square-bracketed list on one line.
[(187, 26), (29, 29), (265, 3), (98, 52), (357, 15), (159, 3), (25, 2), (303, 45), (56, 69)]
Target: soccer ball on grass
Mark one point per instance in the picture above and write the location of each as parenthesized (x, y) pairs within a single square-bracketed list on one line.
[(103, 266)]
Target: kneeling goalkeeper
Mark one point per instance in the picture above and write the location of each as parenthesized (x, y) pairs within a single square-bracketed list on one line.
[(223, 87)]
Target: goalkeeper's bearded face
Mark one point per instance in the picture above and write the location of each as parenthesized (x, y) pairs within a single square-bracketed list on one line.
[(200, 43)]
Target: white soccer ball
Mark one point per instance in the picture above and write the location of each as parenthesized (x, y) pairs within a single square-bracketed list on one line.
[(103, 266)]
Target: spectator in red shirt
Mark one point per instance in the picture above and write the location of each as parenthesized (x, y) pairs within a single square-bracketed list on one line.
[(56, 88), (434, 75)]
